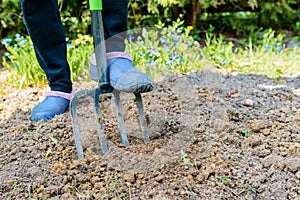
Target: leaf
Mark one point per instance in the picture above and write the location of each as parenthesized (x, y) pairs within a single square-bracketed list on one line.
[(279, 71), (54, 140), (226, 179), (183, 155), (245, 133)]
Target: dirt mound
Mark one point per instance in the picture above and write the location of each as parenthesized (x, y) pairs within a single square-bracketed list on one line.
[(212, 136)]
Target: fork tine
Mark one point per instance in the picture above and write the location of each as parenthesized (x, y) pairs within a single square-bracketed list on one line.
[(74, 118), (120, 118), (100, 128), (143, 122), (75, 126)]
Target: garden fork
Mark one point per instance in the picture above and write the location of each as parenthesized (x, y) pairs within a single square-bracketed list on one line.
[(104, 87)]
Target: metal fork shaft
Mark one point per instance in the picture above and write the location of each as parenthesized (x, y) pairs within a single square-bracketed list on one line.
[(99, 47)]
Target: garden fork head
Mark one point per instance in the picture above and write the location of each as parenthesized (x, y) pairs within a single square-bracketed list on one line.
[(104, 87)]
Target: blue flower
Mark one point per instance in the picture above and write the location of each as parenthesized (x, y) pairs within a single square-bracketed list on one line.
[(268, 48), (279, 48), (175, 36), (151, 62), (224, 63), (153, 52), (142, 54), (7, 54), (16, 47), (162, 40), (69, 45), (242, 13), (130, 38), (22, 42), (173, 56), (181, 60), (6, 41), (167, 48), (18, 36)]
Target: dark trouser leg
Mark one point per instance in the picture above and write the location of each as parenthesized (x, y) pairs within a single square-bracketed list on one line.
[(122, 73), (115, 17), (44, 26)]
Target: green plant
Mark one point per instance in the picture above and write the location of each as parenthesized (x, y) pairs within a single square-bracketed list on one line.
[(75, 16), (297, 37), (21, 63), (264, 13), (10, 18), (232, 14), (114, 189), (186, 160), (24, 69), (248, 114), (218, 51), (29, 188), (140, 16), (245, 133), (268, 56), (162, 50), (272, 13), (225, 178), (53, 139), (79, 51)]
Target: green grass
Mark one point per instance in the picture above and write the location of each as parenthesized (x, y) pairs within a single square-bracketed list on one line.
[(115, 190), (268, 56)]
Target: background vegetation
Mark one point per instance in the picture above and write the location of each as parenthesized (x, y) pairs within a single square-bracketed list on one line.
[(248, 36), (239, 17)]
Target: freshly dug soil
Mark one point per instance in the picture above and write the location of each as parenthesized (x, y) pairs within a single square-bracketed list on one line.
[(212, 136)]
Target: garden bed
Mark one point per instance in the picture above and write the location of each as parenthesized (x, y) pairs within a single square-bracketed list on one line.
[(212, 136)]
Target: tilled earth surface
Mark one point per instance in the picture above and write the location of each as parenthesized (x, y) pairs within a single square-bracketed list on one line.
[(212, 136)]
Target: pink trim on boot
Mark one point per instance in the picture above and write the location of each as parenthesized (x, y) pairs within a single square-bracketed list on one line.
[(64, 95), (111, 55), (117, 54)]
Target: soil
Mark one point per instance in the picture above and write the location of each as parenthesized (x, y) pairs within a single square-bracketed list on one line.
[(212, 136)]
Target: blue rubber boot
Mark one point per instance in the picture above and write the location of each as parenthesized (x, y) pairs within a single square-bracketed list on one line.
[(124, 76), (49, 108)]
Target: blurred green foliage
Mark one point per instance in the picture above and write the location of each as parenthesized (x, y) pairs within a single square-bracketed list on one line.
[(162, 50), (10, 18), (172, 43), (24, 70), (236, 16), (75, 17), (74, 14)]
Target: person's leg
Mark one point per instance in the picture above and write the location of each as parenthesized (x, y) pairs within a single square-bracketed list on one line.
[(115, 20), (42, 20), (122, 73)]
